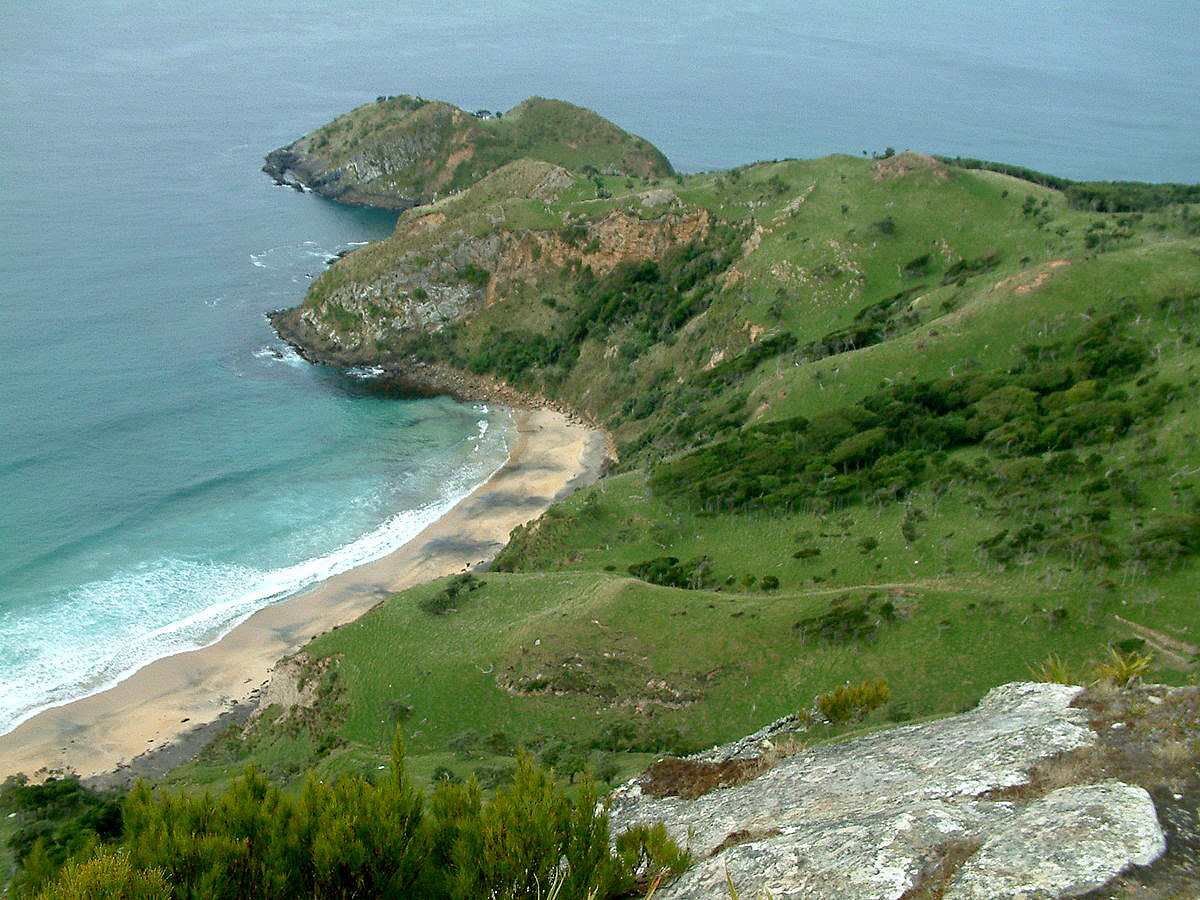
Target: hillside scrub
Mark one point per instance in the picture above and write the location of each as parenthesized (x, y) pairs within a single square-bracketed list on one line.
[(895, 438), (356, 838)]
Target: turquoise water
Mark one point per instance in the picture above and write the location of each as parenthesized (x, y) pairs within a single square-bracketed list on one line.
[(167, 466)]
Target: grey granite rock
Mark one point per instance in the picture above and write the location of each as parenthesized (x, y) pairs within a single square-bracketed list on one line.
[(883, 814), (1067, 843), (858, 856)]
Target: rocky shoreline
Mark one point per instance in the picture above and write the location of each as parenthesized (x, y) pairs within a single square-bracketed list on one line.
[(288, 167), (418, 378), (1042, 790)]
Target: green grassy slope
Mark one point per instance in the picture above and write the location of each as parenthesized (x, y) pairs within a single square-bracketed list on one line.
[(883, 418)]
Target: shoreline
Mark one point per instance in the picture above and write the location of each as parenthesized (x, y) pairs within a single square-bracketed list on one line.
[(164, 712), (418, 378)]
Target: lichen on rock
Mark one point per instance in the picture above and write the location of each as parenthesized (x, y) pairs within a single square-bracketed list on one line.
[(893, 813)]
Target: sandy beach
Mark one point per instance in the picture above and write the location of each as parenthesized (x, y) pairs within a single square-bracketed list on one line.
[(164, 702)]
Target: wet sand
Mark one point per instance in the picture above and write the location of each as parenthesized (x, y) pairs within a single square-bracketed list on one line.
[(164, 706)]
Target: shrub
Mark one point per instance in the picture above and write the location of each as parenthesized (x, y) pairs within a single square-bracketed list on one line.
[(1054, 670), (107, 875), (647, 855), (847, 701), (447, 599), (694, 574), (474, 275), (356, 839), (61, 814), (531, 836), (840, 623), (1123, 667)]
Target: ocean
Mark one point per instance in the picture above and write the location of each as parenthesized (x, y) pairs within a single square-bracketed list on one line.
[(168, 466)]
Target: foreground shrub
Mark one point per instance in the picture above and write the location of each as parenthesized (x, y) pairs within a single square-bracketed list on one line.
[(354, 838), (648, 855), (107, 876)]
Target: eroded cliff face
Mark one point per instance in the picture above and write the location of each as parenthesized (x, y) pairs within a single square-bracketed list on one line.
[(618, 237), (427, 287), (397, 170)]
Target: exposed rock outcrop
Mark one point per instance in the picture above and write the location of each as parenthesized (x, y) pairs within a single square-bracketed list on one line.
[(937, 806), (422, 289)]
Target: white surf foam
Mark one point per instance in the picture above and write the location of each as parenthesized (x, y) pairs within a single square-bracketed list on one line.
[(136, 607), (284, 355), (294, 258)]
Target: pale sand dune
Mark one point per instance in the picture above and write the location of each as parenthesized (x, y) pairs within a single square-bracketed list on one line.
[(550, 456)]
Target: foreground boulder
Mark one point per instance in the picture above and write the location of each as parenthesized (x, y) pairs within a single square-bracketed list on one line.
[(958, 808)]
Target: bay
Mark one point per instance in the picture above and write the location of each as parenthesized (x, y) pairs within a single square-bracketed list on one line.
[(167, 466)]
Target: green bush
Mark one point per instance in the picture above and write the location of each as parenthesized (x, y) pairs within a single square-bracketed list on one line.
[(61, 814), (448, 599), (529, 837), (853, 701), (844, 621), (474, 275), (107, 876), (694, 574), (647, 855)]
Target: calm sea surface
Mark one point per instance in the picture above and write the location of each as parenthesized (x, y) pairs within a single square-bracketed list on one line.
[(167, 467)]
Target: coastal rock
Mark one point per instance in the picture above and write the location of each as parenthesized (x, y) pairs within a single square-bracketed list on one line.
[(906, 809), (877, 854)]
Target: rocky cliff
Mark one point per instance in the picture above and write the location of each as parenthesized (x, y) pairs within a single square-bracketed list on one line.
[(402, 151), (1042, 790), (451, 259)]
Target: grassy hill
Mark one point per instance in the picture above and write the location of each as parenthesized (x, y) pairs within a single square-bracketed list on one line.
[(400, 151), (878, 419), (922, 421)]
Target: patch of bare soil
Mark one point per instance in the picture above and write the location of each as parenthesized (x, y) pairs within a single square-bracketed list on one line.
[(692, 778), (1032, 278), (909, 163), (1181, 653)]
